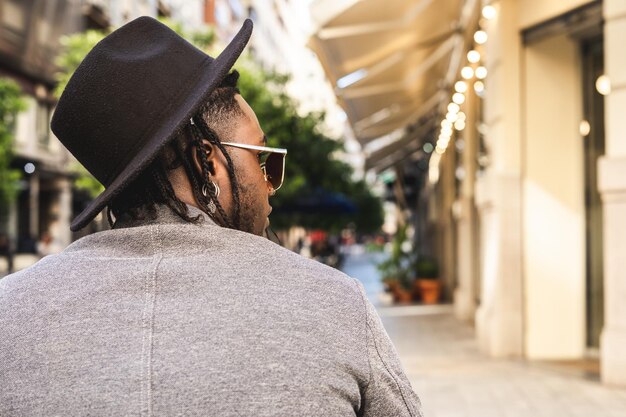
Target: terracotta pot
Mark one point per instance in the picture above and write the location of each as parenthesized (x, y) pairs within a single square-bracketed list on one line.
[(402, 295), (391, 285), (430, 290)]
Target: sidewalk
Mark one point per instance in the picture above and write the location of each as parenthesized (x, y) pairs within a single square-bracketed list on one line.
[(453, 379)]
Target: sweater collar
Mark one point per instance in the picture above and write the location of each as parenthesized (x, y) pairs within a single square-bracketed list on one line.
[(164, 215)]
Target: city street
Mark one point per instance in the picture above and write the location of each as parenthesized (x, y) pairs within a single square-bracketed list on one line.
[(453, 379)]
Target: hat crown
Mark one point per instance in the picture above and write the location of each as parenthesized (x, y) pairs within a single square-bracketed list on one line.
[(121, 91)]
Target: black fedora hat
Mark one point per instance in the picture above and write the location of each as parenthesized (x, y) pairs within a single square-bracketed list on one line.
[(131, 94)]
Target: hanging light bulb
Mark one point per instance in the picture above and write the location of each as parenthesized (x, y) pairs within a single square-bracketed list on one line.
[(480, 37), (479, 87), (460, 86), (467, 72), (458, 98), (473, 56), (489, 12), (481, 73), (459, 125), (453, 108), (603, 85)]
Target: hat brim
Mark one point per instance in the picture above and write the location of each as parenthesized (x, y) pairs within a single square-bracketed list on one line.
[(209, 78)]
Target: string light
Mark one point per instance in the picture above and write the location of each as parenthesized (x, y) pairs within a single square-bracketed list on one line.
[(481, 73), (460, 86), (473, 56), (453, 108), (489, 12), (480, 37), (455, 118), (467, 73)]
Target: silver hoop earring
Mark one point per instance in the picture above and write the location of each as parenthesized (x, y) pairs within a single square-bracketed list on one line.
[(205, 190)]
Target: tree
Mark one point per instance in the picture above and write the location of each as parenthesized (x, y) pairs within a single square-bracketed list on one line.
[(310, 162), (11, 103)]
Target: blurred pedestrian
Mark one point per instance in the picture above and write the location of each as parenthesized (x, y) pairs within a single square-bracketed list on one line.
[(47, 245), (183, 308)]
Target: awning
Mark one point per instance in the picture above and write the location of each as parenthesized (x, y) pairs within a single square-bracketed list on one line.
[(393, 63)]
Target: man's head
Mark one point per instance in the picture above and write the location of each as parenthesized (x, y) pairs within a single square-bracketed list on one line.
[(125, 115), (196, 164)]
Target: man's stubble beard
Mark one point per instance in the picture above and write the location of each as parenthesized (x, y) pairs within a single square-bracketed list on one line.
[(246, 220)]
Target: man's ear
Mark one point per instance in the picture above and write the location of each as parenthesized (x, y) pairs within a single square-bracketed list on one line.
[(209, 151)]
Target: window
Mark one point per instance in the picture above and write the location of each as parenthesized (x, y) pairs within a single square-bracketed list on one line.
[(13, 16)]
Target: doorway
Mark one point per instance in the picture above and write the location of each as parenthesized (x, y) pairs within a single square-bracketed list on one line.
[(592, 52)]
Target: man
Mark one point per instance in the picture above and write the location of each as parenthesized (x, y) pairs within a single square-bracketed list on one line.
[(183, 308)]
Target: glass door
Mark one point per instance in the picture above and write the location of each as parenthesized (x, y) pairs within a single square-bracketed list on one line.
[(592, 130)]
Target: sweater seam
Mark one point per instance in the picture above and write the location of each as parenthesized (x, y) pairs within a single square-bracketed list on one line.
[(148, 327), (392, 376), (368, 329), (369, 363)]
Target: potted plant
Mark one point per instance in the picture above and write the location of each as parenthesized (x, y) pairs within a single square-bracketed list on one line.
[(427, 284), (395, 272)]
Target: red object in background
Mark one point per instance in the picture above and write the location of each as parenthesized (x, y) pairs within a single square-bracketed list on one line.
[(318, 236), (209, 11)]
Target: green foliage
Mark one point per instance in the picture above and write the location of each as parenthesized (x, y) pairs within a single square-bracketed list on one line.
[(426, 268), (310, 162), (398, 265), (11, 103)]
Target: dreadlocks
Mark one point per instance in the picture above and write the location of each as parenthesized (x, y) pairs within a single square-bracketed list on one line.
[(153, 187)]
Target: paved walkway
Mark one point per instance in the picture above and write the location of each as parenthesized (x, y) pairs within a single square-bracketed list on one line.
[(453, 379)]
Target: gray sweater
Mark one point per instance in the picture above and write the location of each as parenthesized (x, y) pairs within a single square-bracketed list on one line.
[(167, 318)]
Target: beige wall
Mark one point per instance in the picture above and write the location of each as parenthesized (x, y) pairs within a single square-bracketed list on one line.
[(533, 12), (553, 201), (612, 183)]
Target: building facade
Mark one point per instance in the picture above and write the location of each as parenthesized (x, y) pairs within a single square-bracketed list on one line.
[(522, 159)]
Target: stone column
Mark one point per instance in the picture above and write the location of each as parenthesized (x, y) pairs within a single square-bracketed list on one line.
[(612, 185), (446, 233), (499, 319), (63, 234), (464, 295), (34, 206)]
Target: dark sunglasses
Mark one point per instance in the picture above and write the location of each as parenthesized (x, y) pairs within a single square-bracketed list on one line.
[(271, 160)]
